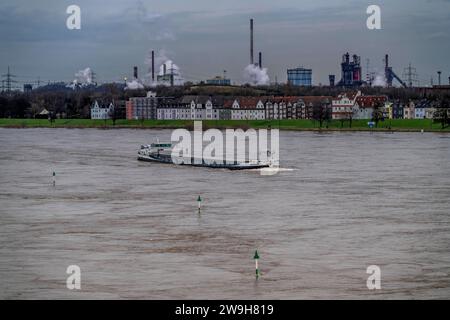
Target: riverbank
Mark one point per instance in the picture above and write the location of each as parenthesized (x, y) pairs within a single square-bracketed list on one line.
[(415, 125)]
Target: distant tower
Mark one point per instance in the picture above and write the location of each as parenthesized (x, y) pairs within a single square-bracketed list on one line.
[(9, 81), (332, 79), (153, 66), (368, 79), (410, 76), (251, 41), (27, 88), (351, 71), (439, 77), (135, 72)]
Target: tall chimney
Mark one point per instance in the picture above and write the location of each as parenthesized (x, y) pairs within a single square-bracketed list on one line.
[(153, 66), (135, 72), (386, 60), (164, 69), (332, 78), (260, 60), (439, 77), (251, 41)]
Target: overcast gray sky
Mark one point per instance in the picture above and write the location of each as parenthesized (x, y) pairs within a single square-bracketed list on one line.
[(205, 37)]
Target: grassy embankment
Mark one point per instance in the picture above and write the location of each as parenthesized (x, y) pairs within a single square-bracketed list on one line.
[(357, 125)]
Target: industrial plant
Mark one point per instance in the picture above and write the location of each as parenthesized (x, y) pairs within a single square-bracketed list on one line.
[(167, 73)]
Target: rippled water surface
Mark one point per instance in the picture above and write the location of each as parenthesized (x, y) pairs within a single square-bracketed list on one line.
[(352, 200)]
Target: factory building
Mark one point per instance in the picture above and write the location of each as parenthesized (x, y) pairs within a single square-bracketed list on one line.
[(300, 77), (219, 81), (351, 71)]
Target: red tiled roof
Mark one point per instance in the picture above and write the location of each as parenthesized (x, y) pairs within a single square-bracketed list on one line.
[(315, 100), (288, 99), (248, 102), (350, 95), (370, 101), (228, 103)]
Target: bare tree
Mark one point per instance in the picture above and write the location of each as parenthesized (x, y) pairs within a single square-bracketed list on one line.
[(321, 113), (441, 115), (377, 114)]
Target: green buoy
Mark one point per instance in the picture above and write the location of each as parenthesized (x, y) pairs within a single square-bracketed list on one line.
[(256, 257)]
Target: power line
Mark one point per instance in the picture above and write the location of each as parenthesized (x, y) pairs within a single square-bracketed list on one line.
[(8, 81), (410, 76)]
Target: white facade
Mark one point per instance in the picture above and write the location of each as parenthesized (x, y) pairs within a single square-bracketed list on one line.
[(174, 113), (409, 111), (252, 111), (419, 113), (359, 112), (343, 107), (192, 111), (101, 113)]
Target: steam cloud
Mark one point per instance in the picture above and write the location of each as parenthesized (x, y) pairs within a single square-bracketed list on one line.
[(83, 78), (256, 76), (161, 59), (134, 85), (379, 80)]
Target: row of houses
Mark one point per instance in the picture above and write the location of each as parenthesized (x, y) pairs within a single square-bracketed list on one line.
[(357, 106), (216, 108), (353, 105)]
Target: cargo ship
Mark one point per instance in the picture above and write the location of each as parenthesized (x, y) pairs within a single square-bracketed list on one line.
[(162, 153)]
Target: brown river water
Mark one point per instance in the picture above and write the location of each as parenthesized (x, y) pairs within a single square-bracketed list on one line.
[(350, 200)]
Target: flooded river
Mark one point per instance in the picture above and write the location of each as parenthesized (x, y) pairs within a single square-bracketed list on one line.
[(350, 201)]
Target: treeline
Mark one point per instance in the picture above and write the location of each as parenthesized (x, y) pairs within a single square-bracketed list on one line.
[(77, 103)]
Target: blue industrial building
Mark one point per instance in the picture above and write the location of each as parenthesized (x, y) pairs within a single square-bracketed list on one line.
[(219, 81), (300, 77)]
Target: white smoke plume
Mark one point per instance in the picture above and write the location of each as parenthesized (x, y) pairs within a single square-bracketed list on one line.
[(134, 85), (82, 78), (379, 80), (161, 59), (254, 75)]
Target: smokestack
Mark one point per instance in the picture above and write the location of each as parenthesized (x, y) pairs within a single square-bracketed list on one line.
[(439, 77), (164, 69), (135, 72), (153, 66), (386, 60), (251, 41), (332, 78), (260, 60)]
